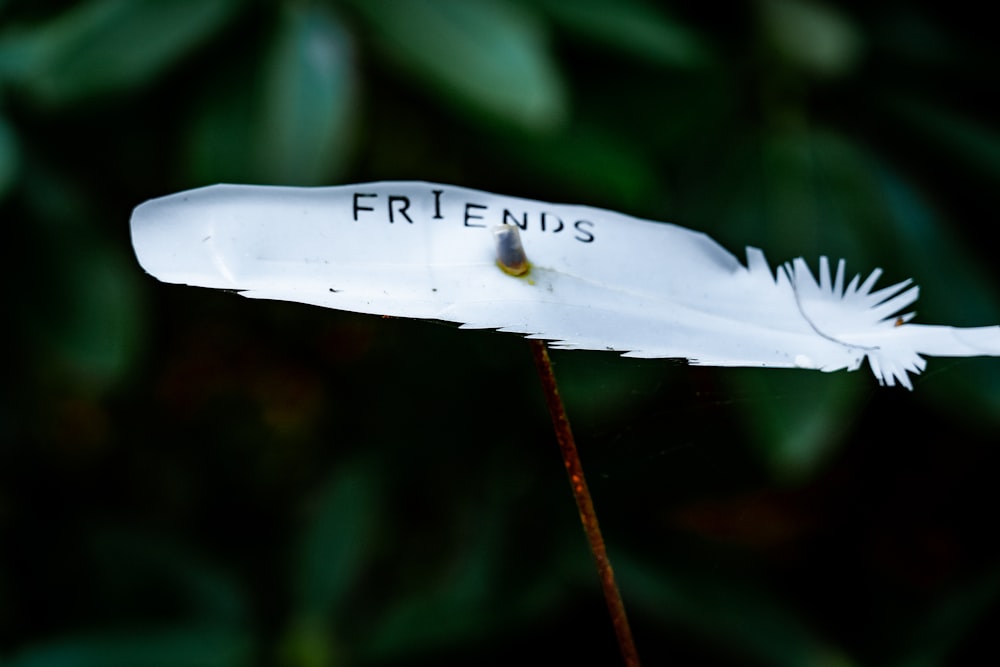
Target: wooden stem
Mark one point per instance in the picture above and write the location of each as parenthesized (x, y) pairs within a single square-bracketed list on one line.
[(584, 503)]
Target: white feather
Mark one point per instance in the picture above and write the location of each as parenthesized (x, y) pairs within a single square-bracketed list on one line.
[(599, 280)]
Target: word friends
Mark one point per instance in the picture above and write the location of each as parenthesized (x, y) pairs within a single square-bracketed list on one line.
[(437, 206)]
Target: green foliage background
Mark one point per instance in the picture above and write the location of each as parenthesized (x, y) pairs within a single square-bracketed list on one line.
[(190, 478)]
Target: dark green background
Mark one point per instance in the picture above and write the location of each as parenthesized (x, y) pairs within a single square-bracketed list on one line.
[(191, 478)]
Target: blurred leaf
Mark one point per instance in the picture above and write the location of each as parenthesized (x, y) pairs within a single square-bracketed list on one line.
[(105, 45), (336, 543), (734, 614), (812, 36), (86, 317), (633, 27), (914, 35), (491, 55), (91, 323), (781, 207), (458, 606), (309, 97), (800, 193), (457, 610), (309, 643), (289, 120), (221, 140), (606, 170), (977, 145), (98, 330), (135, 563), (9, 157), (177, 647), (938, 633), (797, 418), (956, 287), (955, 284), (599, 387)]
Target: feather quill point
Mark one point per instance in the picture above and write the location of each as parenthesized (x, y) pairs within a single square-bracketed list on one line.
[(598, 280)]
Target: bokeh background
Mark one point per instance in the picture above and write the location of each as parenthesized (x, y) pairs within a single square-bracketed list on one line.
[(191, 478)]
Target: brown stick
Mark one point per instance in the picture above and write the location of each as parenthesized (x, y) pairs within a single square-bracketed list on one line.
[(584, 503)]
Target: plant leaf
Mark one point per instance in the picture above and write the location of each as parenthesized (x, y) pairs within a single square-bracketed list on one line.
[(309, 96), (733, 612), (289, 117), (167, 647), (335, 543), (490, 55), (9, 157), (796, 420), (633, 27), (102, 46)]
